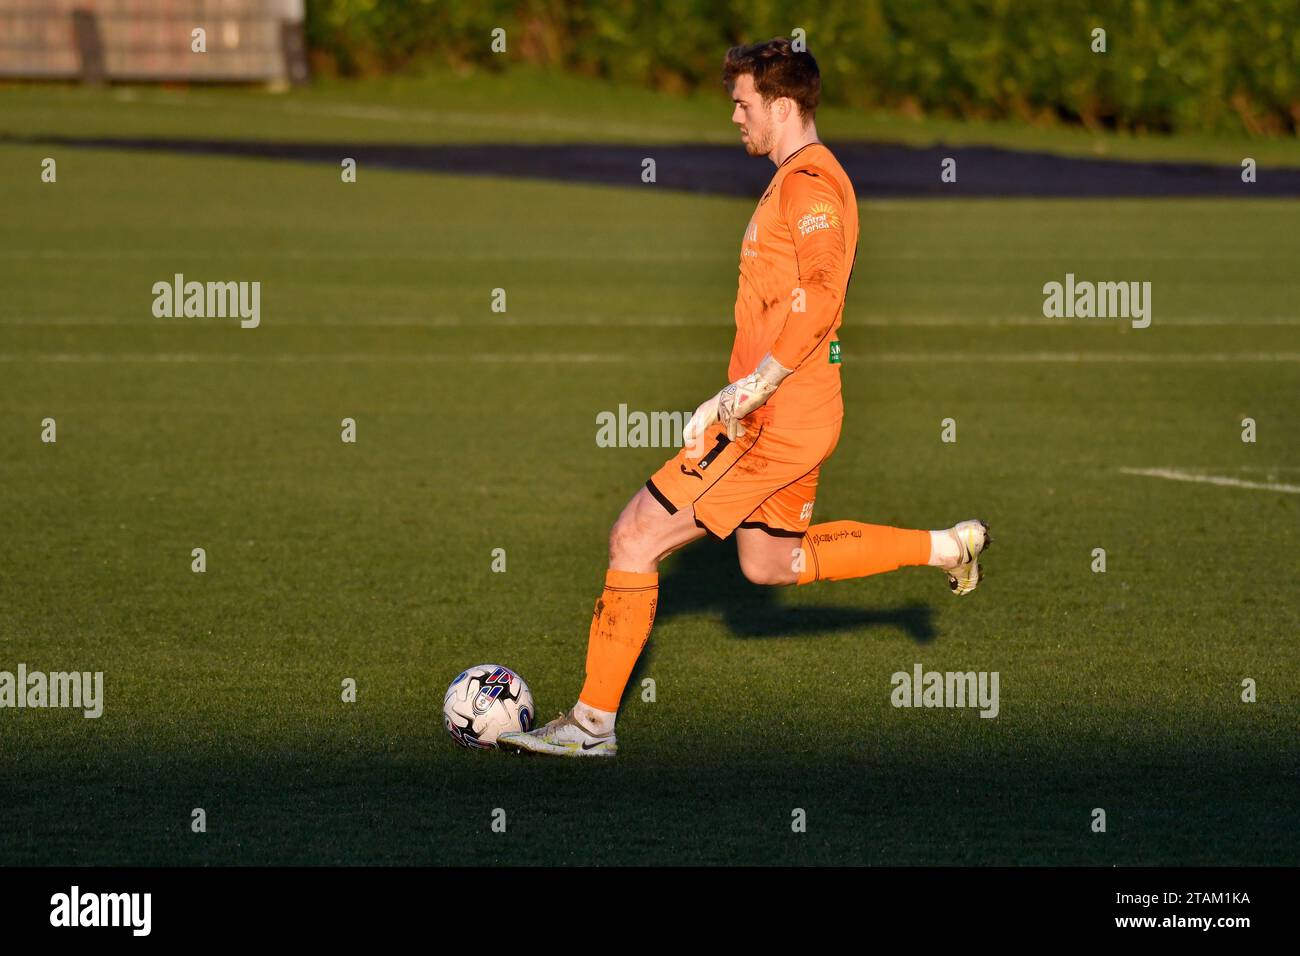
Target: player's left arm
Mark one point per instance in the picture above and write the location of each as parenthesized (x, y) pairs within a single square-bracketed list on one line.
[(813, 209)]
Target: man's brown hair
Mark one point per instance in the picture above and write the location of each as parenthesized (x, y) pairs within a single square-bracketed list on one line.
[(778, 70)]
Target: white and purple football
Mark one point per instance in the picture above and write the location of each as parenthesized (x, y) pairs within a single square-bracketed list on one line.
[(486, 700)]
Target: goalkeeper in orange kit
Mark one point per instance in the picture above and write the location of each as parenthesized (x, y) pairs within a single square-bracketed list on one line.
[(753, 451)]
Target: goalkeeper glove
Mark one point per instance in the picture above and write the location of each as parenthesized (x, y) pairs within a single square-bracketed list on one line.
[(738, 400)]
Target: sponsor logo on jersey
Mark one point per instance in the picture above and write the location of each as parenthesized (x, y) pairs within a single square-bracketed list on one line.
[(835, 352), (822, 215)]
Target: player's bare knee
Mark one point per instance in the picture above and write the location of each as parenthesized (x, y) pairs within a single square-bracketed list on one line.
[(629, 543), (621, 541), (758, 571)]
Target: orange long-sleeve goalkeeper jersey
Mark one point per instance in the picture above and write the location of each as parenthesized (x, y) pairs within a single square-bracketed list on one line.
[(795, 263)]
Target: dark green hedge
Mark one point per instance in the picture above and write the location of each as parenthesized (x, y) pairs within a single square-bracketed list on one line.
[(1170, 64)]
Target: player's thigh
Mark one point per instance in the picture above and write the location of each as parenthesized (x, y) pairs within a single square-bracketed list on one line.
[(769, 541), (646, 532)]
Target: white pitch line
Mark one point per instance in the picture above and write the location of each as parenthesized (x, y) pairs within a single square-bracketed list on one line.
[(1071, 358), (165, 358), (548, 253), (649, 321), (544, 358), (1173, 474)]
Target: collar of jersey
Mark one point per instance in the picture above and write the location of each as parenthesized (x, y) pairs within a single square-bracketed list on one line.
[(798, 151)]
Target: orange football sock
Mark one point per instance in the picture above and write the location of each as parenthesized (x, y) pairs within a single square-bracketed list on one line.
[(838, 550), (624, 614)]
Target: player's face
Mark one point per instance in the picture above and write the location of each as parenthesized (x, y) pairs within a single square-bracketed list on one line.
[(753, 116)]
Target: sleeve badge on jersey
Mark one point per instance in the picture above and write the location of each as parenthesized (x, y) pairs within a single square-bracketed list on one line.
[(822, 215)]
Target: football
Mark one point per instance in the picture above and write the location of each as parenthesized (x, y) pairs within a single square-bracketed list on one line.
[(484, 701)]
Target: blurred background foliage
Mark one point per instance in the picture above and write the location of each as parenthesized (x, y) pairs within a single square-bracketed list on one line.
[(1169, 65)]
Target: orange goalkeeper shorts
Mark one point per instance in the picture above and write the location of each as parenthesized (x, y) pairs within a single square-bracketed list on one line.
[(764, 479)]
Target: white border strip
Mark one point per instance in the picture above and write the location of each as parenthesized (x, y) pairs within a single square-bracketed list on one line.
[(1174, 474)]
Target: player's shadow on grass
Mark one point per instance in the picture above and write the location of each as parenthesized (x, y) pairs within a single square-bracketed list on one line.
[(706, 576)]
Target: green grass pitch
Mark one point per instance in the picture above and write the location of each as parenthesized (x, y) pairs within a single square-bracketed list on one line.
[(476, 430)]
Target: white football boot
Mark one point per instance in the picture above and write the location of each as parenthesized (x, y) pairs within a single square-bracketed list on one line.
[(562, 737), (972, 537)]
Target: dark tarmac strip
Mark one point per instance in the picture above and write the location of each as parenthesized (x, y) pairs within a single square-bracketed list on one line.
[(878, 170)]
